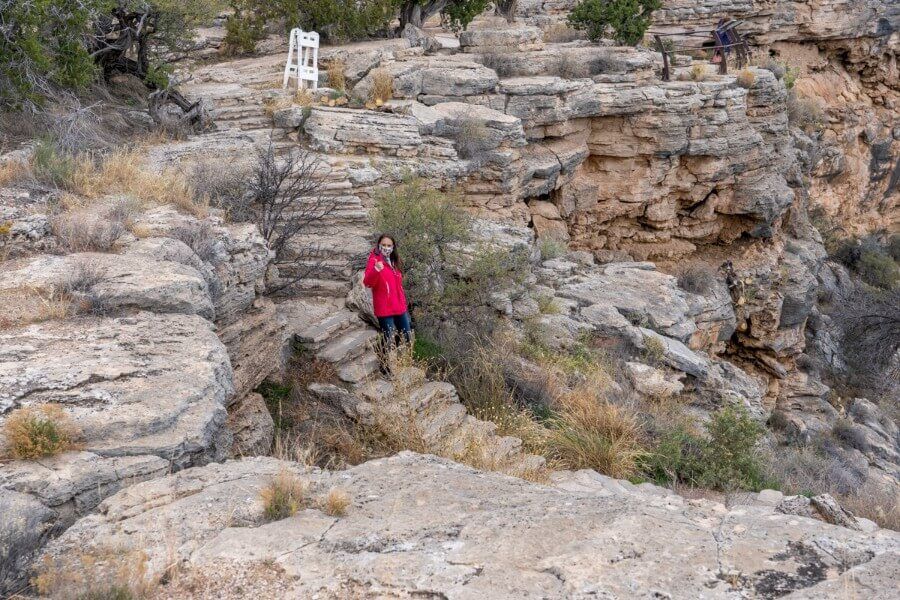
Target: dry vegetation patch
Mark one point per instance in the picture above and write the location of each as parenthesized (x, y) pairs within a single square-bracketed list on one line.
[(25, 305), (336, 502), (382, 86), (38, 431), (101, 574), (283, 496)]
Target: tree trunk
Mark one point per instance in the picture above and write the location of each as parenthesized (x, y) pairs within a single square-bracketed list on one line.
[(416, 13)]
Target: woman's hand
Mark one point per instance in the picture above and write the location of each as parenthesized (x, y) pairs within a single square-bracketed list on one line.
[(379, 265)]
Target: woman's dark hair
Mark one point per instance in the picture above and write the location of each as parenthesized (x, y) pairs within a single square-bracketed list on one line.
[(395, 258)]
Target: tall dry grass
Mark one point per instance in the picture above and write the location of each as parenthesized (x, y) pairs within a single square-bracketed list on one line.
[(588, 432)]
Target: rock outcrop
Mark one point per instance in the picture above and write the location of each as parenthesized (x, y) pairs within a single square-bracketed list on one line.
[(419, 525)]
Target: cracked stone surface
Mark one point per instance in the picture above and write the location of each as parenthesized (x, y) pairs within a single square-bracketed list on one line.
[(147, 392), (423, 526)]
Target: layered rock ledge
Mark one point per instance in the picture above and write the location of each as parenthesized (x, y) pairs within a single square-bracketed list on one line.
[(423, 526)]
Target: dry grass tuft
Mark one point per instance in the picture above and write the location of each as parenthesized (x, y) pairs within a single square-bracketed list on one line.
[(592, 433), (26, 305), (699, 72), (336, 502), (382, 86), (283, 496), (560, 33), (12, 171), (273, 105), (874, 503), (38, 431), (108, 574), (304, 97), (746, 79), (336, 78)]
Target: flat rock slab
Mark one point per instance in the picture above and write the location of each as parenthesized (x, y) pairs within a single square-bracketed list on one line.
[(118, 281), (419, 525), (143, 384)]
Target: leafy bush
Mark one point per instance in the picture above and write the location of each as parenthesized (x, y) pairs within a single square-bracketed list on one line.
[(871, 259), (38, 431), (726, 459), (628, 19), (41, 47), (63, 43), (334, 20)]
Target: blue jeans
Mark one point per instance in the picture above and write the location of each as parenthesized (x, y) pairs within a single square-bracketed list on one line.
[(391, 325)]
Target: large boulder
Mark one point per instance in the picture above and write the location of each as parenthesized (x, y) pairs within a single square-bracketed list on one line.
[(419, 525)]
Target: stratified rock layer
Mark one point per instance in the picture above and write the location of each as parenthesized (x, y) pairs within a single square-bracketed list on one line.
[(419, 525)]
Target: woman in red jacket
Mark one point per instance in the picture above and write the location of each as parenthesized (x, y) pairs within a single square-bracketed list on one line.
[(383, 276)]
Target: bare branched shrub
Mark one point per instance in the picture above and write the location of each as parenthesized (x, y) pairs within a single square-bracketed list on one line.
[(869, 321), (805, 113), (38, 431), (382, 86), (84, 231), (201, 238), (697, 279), (473, 139), (284, 495), (79, 287), (745, 79), (223, 187), (288, 201), (75, 128)]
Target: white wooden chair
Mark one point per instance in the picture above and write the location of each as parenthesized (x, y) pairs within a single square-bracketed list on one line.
[(304, 45)]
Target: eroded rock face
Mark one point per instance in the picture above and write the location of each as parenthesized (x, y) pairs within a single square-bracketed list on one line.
[(418, 525), (147, 392)]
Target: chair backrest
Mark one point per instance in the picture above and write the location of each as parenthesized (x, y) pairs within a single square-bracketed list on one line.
[(305, 68)]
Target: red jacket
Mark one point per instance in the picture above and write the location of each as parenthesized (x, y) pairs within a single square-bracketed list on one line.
[(388, 297)]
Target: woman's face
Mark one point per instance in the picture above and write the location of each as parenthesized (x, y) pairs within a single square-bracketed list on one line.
[(386, 245)]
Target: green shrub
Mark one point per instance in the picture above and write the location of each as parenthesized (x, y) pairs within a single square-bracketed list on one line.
[(871, 259), (50, 166), (334, 20), (41, 47), (551, 248), (878, 269), (628, 19), (726, 459)]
